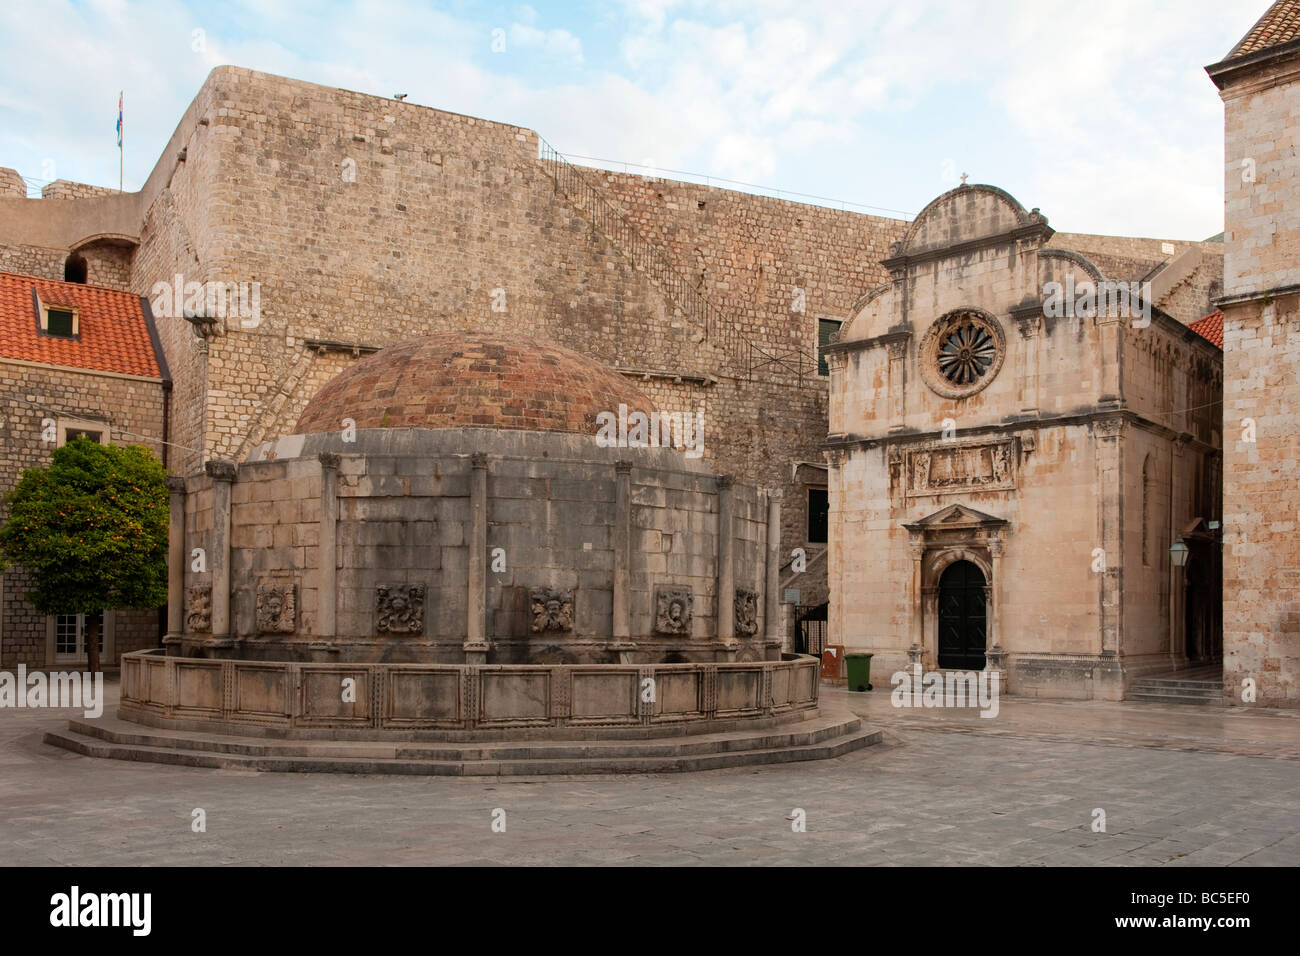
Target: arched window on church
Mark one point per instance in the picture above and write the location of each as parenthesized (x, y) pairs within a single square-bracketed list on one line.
[(74, 269), (1146, 512)]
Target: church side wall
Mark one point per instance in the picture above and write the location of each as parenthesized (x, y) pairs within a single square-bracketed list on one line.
[(1262, 370)]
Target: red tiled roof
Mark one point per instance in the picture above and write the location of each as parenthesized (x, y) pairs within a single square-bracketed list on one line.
[(1280, 24), (1210, 328), (114, 336)]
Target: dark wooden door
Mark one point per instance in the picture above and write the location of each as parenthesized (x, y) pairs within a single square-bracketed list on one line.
[(962, 633)]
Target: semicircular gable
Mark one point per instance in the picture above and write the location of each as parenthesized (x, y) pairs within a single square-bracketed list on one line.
[(870, 315), (1055, 264), (965, 213)]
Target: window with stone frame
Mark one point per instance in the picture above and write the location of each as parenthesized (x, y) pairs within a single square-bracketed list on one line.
[(59, 321), (826, 330), (70, 428), (818, 515)]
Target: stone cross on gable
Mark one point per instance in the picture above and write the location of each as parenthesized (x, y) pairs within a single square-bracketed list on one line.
[(963, 179)]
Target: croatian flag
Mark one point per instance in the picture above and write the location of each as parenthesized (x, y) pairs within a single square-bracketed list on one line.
[(119, 118)]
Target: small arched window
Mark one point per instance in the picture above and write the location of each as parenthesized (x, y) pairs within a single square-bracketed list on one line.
[(74, 269)]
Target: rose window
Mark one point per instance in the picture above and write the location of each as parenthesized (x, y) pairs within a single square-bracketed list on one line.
[(962, 352), (966, 353)]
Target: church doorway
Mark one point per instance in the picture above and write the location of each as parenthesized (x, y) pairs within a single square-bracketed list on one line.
[(962, 617)]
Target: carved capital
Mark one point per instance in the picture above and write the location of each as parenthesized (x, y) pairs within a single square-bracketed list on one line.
[(622, 467), (328, 460), (1108, 428), (220, 469), (479, 460), (176, 484), (915, 545), (725, 482)]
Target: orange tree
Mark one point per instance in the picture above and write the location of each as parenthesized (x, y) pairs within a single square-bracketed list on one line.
[(92, 530)]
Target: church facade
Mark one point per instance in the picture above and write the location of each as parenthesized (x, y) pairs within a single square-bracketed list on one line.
[(1017, 440)]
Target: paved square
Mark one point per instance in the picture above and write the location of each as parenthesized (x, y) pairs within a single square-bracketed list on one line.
[(940, 790)]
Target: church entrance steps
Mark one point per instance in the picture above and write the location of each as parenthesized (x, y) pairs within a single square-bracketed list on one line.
[(1199, 686), (827, 734)]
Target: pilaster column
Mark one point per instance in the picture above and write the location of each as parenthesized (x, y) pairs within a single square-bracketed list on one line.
[(725, 619), (916, 548), (995, 655), (1030, 343), (772, 579), (222, 474), (1177, 575), (1106, 437), (621, 625), (327, 556), (476, 645), (995, 592), (897, 382), (175, 560)]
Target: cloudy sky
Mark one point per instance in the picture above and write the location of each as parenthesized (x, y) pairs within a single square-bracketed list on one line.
[(1098, 112)]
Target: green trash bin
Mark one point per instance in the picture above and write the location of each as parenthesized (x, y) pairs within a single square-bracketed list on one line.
[(859, 668)]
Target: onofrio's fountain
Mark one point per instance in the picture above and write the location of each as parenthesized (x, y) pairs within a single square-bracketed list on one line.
[(444, 552)]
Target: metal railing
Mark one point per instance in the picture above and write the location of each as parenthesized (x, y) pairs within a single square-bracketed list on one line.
[(612, 223)]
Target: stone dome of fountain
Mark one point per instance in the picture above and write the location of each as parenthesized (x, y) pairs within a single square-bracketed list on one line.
[(455, 380)]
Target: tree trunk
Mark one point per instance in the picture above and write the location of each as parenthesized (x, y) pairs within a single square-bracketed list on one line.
[(92, 643)]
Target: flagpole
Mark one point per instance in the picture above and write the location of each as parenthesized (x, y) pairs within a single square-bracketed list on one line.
[(120, 135)]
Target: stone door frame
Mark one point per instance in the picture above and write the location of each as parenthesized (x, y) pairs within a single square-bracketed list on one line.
[(933, 565), (955, 533)]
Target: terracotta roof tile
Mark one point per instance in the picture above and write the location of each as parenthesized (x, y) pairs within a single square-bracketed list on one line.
[(1210, 328), (454, 379), (1279, 25), (114, 336)]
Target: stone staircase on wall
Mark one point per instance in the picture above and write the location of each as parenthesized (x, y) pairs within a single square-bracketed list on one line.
[(816, 564)]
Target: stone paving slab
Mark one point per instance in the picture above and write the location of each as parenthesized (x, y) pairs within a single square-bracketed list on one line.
[(1249, 731), (926, 795)]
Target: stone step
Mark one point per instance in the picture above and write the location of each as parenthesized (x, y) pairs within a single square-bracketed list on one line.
[(1157, 683), (1208, 692), (823, 738), (1175, 697), (812, 730)]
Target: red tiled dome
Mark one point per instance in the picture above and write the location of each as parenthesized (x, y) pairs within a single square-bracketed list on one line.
[(460, 380)]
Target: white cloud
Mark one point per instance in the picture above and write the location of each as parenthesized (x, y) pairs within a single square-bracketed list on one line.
[(559, 43), (1103, 115)]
